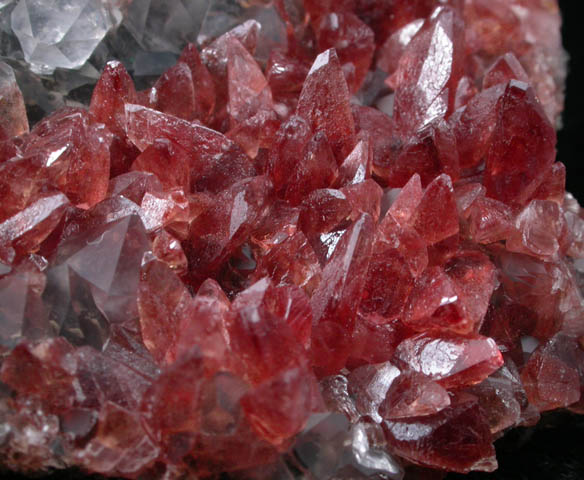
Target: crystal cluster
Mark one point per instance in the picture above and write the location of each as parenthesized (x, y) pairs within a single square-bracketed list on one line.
[(344, 253), (59, 33)]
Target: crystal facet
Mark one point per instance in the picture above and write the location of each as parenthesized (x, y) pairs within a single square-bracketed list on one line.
[(61, 33)]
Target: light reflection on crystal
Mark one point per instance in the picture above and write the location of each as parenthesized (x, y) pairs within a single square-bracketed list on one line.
[(61, 33)]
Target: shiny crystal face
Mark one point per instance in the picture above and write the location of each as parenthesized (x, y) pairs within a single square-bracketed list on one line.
[(325, 240), (61, 33)]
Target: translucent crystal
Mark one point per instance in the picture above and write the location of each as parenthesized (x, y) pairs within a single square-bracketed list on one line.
[(95, 280), (162, 25), (61, 33), (330, 448), (12, 110)]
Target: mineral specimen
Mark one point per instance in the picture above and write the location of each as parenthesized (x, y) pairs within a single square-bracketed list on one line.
[(62, 33), (330, 241)]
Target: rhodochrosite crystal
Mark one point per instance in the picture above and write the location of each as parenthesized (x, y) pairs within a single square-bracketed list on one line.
[(350, 256)]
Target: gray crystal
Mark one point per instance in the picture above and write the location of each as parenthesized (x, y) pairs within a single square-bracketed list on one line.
[(9, 46), (4, 269), (373, 89), (21, 312), (220, 17), (61, 33), (13, 293), (72, 309), (13, 118), (45, 96), (335, 393), (153, 63), (331, 448), (165, 25), (68, 80), (224, 15), (94, 281), (147, 42), (369, 385), (319, 448), (368, 456)]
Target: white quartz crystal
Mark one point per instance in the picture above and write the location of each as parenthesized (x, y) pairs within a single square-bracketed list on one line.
[(61, 33)]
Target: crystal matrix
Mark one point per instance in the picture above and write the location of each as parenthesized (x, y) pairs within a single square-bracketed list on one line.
[(331, 241)]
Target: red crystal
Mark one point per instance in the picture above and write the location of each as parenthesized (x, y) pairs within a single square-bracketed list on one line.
[(258, 335), (161, 295), (354, 42), (204, 89), (522, 146), (457, 437), (168, 161), (382, 133), (552, 376), (429, 70), (450, 360), (223, 227), (336, 299), (324, 103), (215, 161), (280, 407), (301, 162), (162, 95), (353, 250), (503, 70), (60, 146), (435, 218), (120, 445), (413, 395), (114, 89), (50, 366), (428, 152)]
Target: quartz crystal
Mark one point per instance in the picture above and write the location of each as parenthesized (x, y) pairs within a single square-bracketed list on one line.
[(61, 33), (289, 239), (162, 25)]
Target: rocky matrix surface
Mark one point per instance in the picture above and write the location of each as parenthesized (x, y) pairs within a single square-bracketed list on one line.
[(330, 241)]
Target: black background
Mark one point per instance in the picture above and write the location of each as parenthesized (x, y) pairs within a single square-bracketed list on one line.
[(554, 450), (571, 137)]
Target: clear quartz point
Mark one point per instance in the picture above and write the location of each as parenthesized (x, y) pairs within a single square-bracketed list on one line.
[(62, 33)]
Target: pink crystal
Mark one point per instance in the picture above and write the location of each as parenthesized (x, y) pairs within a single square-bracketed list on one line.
[(451, 360), (524, 138), (429, 70), (204, 89), (456, 437), (413, 395), (324, 103), (354, 42), (163, 98), (435, 217), (335, 301), (215, 161)]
